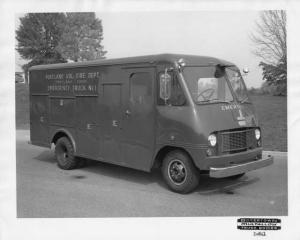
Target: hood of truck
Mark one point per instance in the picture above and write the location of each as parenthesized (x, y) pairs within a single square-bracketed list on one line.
[(194, 124), (224, 116)]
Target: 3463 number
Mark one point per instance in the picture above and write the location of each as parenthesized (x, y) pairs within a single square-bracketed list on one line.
[(259, 234)]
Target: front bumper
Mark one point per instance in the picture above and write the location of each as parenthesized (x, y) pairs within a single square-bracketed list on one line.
[(235, 169)]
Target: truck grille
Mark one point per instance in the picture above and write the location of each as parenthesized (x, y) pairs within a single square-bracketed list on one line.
[(237, 140)]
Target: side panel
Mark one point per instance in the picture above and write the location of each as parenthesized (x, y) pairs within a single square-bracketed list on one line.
[(62, 111), (39, 120), (87, 126), (71, 95), (111, 115)]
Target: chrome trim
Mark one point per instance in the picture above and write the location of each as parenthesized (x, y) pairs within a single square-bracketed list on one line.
[(220, 172)]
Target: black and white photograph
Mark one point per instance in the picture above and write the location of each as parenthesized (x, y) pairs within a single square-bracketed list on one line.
[(143, 118)]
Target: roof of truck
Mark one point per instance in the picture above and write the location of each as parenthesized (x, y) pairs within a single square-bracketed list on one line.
[(189, 59)]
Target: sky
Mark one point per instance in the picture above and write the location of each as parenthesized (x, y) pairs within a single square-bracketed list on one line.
[(221, 34)]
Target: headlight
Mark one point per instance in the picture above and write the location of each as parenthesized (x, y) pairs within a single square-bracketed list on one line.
[(257, 134), (212, 139)]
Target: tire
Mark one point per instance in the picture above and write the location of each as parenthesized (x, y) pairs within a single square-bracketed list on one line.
[(234, 177), (64, 152), (179, 172)]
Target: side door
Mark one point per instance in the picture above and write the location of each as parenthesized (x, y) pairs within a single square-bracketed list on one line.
[(138, 131)]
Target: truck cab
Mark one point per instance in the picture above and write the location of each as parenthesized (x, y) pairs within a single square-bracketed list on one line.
[(185, 114)]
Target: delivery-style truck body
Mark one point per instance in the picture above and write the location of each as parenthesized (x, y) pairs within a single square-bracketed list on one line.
[(185, 114)]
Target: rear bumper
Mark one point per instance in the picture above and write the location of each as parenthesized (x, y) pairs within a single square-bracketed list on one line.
[(235, 169)]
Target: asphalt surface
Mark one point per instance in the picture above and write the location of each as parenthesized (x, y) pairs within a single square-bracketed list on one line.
[(104, 190)]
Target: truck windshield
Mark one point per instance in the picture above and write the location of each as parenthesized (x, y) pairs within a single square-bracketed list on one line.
[(209, 85), (237, 84)]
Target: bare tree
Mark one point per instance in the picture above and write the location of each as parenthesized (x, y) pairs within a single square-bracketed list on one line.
[(270, 41), (270, 36)]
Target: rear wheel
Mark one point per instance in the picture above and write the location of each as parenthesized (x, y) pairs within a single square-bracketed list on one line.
[(64, 152), (179, 172)]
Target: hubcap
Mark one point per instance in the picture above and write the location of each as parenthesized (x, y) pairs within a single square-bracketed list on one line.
[(177, 172)]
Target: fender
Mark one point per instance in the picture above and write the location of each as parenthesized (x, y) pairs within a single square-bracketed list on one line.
[(162, 149), (65, 132)]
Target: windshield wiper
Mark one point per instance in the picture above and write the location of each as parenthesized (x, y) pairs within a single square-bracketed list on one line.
[(224, 101), (215, 101), (220, 101), (244, 99)]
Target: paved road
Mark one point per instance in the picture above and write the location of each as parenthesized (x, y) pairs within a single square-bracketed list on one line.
[(103, 190)]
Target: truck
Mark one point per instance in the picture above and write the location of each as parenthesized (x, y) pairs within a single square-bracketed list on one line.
[(187, 115)]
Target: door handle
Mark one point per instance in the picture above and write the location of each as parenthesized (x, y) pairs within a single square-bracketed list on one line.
[(127, 112), (89, 126)]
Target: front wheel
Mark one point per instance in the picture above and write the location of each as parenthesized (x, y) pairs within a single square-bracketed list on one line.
[(179, 172)]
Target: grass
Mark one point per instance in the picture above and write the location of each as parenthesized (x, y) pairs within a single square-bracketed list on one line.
[(271, 111), (272, 118)]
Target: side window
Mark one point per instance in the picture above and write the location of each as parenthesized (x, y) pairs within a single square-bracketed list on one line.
[(170, 91), (140, 88)]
